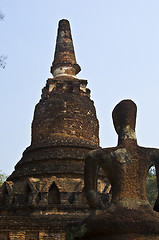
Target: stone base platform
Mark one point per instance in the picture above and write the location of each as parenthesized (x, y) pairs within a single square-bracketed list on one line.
[(120, 223), (127, 237)]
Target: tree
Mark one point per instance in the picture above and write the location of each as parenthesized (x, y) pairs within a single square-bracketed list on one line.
[(151, 186), (3, 177)]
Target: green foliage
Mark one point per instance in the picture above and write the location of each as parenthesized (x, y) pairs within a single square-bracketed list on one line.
[(3, 177), (76, 231), (151, 186)]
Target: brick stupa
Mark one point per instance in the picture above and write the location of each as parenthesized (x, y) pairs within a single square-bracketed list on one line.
[(45, 192)]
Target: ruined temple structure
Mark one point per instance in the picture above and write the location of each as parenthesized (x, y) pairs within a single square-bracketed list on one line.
[(45, 191), (60, 188), (129, 215)]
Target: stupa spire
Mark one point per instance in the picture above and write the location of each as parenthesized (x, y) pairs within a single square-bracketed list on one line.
[(64, 59)]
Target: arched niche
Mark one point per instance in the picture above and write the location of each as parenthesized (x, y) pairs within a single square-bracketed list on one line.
[(53, 194), (71, 198), (5, 195), (28, 195)]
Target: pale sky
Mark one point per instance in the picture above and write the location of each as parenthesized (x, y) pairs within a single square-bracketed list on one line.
[(117, 46)]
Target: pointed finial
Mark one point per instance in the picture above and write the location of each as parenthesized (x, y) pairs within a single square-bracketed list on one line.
[(64, 59)]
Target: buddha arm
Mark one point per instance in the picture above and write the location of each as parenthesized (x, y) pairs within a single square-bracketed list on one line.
[(95, 159)]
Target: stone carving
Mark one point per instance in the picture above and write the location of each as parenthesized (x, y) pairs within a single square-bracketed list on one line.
[(126, 168)]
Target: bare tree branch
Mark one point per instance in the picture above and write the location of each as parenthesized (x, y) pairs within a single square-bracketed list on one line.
[(1, 15), (2, 61), (2, 57)]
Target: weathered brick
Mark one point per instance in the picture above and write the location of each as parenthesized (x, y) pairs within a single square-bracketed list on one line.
[(45, 192)]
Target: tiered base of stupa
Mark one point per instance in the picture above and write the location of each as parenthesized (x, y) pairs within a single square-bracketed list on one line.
[(43, 227), (121, 223)]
